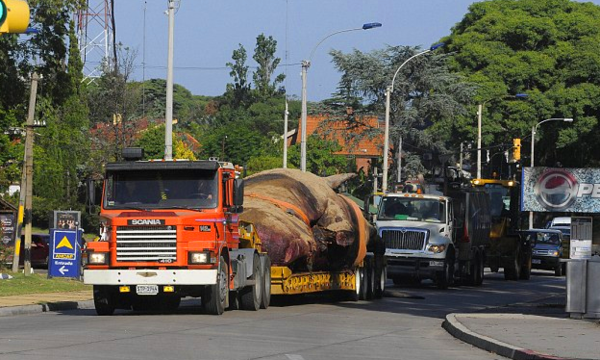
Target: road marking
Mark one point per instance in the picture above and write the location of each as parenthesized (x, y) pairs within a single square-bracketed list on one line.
[(294, 357)]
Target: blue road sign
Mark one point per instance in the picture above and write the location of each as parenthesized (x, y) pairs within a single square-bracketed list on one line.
[(65, 253)]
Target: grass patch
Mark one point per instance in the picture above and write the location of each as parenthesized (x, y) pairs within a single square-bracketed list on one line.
[(38, 284)]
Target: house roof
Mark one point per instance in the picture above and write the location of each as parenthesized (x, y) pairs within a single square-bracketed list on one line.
[(5, 206), (338, 130)]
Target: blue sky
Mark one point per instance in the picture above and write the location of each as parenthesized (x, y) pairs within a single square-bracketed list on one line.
[(207, 32)]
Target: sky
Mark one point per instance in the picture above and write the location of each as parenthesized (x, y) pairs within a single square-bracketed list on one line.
[(208, 31)]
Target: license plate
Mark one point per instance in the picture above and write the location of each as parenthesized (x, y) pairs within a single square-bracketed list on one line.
[(146, 289), (536, 261), (436, 263)]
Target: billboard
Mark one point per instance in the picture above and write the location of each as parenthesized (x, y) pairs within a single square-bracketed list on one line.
[(573, 190)]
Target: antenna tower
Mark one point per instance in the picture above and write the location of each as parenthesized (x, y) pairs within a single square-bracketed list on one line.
[(95, 33)]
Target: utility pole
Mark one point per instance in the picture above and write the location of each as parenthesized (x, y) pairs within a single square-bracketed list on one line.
[(19, 228), (169, 112), (285, 131), (29, 173)]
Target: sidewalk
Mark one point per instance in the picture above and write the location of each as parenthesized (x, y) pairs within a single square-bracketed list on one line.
[(36, 303), (528, 331)]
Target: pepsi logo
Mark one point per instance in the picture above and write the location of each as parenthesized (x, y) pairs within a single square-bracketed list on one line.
[(556, 189)]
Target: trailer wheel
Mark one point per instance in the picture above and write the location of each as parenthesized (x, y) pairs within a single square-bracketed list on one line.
[(358, 282), (215, 296), (371, 281), (380, 289), (266, 294), (251, 296), (480, 269), (526, 268), (104, 301)]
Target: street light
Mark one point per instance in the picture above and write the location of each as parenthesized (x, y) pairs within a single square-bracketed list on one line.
[(386, 141), (533, 132), (305, 66), (479, 114)]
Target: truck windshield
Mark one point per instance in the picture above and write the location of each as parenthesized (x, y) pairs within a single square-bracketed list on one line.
[(499, 200), (171, 189), (412, 209)]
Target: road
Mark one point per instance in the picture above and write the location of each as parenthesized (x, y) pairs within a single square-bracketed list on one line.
[(406, 324)]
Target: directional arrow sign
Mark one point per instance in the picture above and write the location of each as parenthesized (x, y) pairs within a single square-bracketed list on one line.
[(65, 256), (63, 270)]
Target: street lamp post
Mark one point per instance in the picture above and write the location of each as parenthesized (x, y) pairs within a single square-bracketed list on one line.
[(386, 135), (479, 115), (533, 132), (305, 66)]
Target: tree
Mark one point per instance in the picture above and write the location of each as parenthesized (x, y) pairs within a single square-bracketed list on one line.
[(240, 89), (425, 93), (549, 49), (264, 55)]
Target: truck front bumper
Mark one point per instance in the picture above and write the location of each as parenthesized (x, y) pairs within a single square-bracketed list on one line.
[(405, 266), (150, 277)]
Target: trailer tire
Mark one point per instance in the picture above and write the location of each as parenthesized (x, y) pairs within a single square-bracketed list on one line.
[(380, 279), (364, 286), (266, 295), (104, 301), (251, 296), (358, 282), (526, 269), (480, 269), (371, 281), (216, 296)]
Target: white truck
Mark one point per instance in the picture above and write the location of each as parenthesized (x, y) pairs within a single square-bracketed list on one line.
[(434, 237)]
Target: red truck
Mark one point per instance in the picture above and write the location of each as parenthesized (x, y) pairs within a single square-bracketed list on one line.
[(170, 229)]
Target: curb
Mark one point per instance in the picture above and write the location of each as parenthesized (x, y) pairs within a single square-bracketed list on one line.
[(47, 307), (461, 332)]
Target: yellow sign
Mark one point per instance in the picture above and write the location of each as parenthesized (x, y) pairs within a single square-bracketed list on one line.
[(64, 243)]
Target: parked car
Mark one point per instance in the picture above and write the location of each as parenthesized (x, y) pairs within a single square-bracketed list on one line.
[(40, 250), (547, 249)]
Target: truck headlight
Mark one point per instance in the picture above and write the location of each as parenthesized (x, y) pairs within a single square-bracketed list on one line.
[(435, 248), (97, 258), (199, 257), (555, 253)]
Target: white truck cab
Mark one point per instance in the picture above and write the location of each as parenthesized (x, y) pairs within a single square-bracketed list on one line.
[(418, 231)]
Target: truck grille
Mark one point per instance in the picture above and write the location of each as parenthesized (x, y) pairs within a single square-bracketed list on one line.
[(407, 239), (146, 243)]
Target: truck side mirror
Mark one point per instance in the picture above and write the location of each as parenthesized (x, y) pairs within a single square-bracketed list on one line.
[(238, 192), (93, 193)]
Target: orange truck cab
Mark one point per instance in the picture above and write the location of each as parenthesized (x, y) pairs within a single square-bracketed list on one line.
[(170, 229)]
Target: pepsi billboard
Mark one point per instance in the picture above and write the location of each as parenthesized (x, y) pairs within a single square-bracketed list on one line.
[(575, 190)]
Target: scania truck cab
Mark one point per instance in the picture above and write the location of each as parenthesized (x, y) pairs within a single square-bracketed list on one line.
[(170, 229)]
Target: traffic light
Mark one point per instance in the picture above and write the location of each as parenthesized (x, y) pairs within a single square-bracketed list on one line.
[(14, 16), (516, 151)]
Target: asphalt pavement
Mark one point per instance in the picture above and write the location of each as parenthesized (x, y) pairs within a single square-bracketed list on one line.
[(540, 330)]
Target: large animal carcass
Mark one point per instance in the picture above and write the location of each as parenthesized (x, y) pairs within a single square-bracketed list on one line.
[(303, 223)]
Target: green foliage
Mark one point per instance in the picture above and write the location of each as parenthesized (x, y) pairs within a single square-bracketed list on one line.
[(548, 49), (261, 163), (320, 157), (153, 142), (264, 55), (425, 93)]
